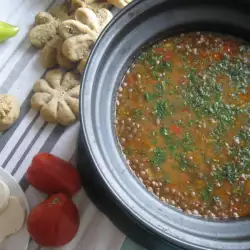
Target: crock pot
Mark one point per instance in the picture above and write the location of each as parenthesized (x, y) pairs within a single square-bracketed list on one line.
[(109, 183)]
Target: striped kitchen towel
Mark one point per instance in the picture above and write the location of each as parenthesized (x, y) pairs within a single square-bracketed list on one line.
[(19, 69)]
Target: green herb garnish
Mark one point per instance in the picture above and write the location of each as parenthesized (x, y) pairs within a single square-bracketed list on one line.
[(149, 96), (164, 131), (160, 88), (159, 157), (188, 142), (206, 192), (161, 109)]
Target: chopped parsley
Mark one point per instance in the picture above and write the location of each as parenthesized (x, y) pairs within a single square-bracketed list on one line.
[(161, 109), (158, 157), (149, 97)]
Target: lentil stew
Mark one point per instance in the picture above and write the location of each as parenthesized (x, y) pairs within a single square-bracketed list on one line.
[(183, 123)]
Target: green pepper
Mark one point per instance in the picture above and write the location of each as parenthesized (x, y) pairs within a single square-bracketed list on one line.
[(7, 31)]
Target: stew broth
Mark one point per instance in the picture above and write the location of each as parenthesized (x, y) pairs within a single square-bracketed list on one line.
[(183, 122)]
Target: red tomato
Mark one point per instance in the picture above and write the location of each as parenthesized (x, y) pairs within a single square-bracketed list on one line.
[(54, 222), (159, 50), (167, 56), (50, 174), (175, 129)]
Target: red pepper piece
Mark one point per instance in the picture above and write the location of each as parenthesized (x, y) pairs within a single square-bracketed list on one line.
[(167, 56), (50, 174), (159, 50), (175, 129)]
